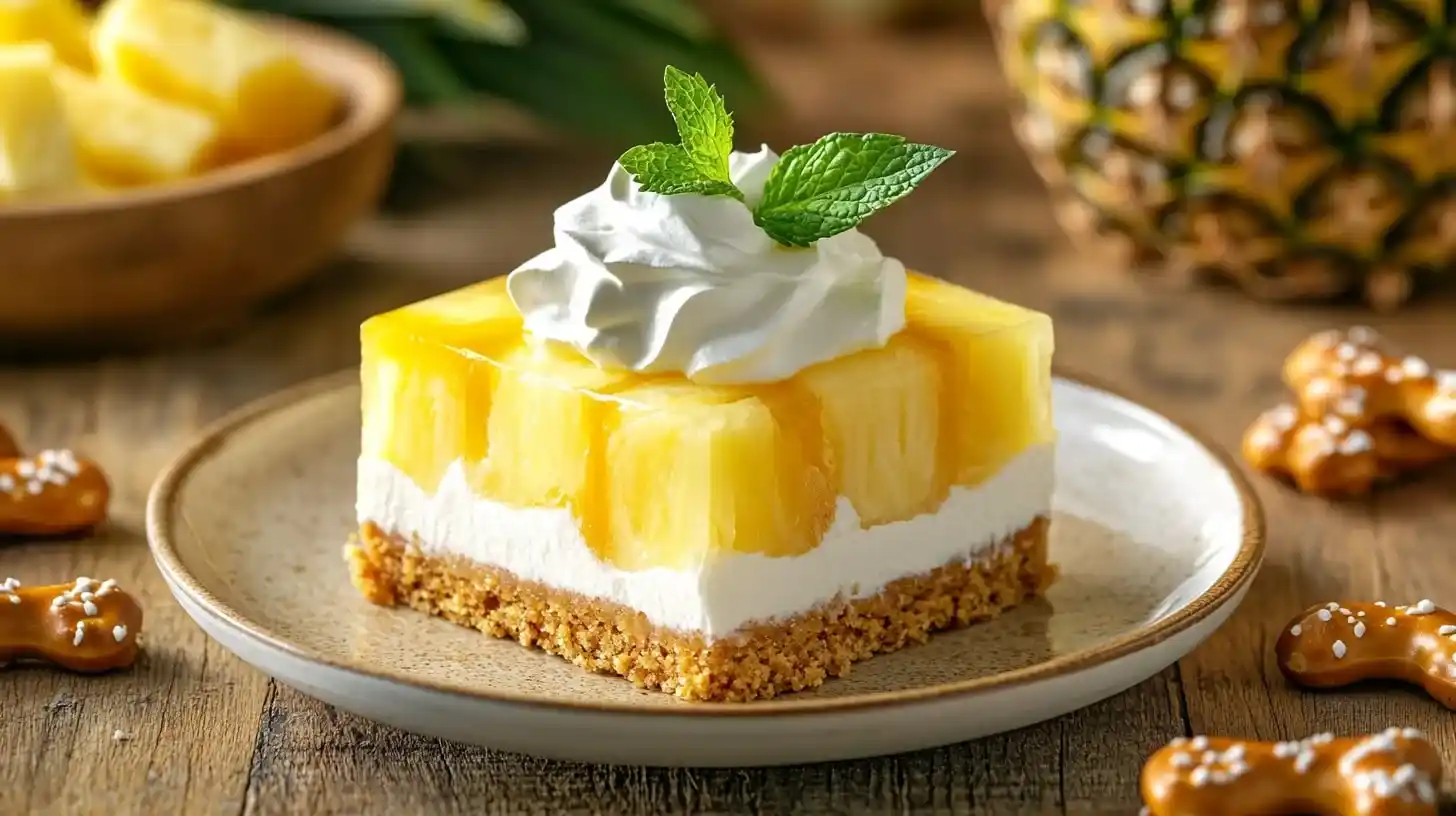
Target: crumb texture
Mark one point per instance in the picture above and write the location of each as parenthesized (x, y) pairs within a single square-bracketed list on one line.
[(761, 662)]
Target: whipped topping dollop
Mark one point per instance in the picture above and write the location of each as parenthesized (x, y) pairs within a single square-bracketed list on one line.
[(689, 284)]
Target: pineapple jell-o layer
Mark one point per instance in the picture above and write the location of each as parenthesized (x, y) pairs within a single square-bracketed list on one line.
[(661, 472)]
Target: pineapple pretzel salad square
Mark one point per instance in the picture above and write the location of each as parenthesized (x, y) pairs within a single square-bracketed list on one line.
[(654, 450)]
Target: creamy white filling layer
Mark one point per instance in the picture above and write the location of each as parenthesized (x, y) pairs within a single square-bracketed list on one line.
[(729, 591)]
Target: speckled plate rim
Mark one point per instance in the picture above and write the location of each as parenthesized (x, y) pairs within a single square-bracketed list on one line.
[(1229, 586)]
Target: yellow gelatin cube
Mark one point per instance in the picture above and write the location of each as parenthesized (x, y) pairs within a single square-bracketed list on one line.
[(697, 471), (126, 138), (881, 409), (37, 151), (995, 362), (547, 429), (428, 379), (63, 24), (217, 60)]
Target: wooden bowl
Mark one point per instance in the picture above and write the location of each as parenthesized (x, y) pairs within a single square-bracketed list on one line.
[(184, 260)]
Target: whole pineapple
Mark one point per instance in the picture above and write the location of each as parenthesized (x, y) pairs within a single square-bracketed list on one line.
[(1300, 149)]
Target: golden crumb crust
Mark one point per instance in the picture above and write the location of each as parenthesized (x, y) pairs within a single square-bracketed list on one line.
[(762, 661)]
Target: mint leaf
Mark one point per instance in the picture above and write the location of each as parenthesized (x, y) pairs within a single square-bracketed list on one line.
[(703, 122), (825, 188), (668, 170)]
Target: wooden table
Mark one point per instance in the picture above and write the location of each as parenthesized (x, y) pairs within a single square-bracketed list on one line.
[(206, 734)]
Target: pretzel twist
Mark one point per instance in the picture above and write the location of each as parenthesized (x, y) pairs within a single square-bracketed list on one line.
[(8, 448), (1332, 456), (1396, 772), (1357, 376), (1337, 644), (51, 493), (1362, 413), (89, 626)]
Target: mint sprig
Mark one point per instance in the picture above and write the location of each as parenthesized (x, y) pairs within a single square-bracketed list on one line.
[(815, 191), (703, 122), (822, 189), (698, 165), (670, 170)]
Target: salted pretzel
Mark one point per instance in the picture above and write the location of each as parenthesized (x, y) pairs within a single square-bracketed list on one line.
[(1340, 643), (87, 626), (1396, 772), (1357, 376), (1330, 455), (51, 493)]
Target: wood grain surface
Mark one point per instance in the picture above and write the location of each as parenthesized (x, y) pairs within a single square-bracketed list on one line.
[(202, 733)]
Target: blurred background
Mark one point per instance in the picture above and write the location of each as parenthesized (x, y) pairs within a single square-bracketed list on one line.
[(509, 108), (1300, 155)]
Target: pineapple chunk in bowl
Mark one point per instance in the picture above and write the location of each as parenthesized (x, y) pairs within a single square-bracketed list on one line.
[(189, 236)]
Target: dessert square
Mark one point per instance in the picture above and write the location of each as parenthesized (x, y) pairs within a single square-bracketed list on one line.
[(712, 440), (718, 542)]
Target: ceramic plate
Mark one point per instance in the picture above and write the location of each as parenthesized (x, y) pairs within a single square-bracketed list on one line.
[(1158, 538)]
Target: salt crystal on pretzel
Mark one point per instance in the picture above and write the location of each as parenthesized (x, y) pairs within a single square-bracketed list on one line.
[(1333, 456), (86, 626), (1357, 376), (1340, 643), (51, 493), (1396, 772)]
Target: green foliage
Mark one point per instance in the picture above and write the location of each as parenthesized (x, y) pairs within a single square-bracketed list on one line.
[(592, 67)]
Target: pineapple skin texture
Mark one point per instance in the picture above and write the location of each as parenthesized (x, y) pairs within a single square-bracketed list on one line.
[(1301, 150), (661, 472)]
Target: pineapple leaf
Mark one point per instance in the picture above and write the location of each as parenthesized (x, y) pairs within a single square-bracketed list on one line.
[(490, 20), (602, 102), (828, 187), (703, 123), (429, 79), (682, 18), (486, 19), (588, 66), (638, 47)]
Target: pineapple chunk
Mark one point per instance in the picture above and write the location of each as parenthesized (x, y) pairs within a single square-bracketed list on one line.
[(63, 24), (474, 318), (995, 360), (547, 426), (126, 138), (427, 379), (423, 410), (192, 53), (881, 410), (701, 474), (37, 150)]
